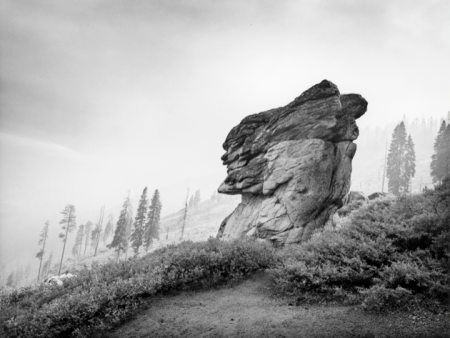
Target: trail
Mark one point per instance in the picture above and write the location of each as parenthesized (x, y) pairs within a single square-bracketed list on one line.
[(248, 310)]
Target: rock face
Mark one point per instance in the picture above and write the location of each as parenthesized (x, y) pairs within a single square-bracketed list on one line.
[(292, 165)]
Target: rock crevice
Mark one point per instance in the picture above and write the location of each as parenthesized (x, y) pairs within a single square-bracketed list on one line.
[(292, 165)]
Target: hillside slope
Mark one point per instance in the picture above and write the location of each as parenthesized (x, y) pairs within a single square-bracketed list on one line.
[(202, 223)]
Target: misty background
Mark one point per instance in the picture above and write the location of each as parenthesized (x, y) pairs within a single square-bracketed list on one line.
[(98, 98)]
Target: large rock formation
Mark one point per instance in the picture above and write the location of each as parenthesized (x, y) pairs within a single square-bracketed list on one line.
[(292, 165)]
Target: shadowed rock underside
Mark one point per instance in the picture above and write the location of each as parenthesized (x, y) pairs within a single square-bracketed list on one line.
[(292, 165)]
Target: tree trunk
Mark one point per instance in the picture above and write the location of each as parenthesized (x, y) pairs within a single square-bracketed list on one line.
[(40, 263), (102, 212), (185, 214), (65, 240)]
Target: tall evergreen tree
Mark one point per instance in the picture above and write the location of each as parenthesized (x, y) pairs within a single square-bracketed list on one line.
[(197, 199), (400, 165), (191, 203), (129, 228), (120, 239), (109, 229), (87, 234), (410, 164), (42, 240), (69, 225), (445, 153), (441, 156), (11, 280), (76, 250), (153, 221), (137, 236), (27, 273), (434, 165), (97, 232), (3, 273), (18, 276), (186, 215)]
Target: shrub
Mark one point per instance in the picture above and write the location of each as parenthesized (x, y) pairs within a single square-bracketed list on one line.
[(379, 298), (386, 253), (99, 298)]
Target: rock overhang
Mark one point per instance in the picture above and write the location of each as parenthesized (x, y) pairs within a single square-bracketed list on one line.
[(278, 155)]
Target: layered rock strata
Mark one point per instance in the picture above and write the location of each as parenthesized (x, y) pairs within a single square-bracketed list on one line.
[(292, 165)]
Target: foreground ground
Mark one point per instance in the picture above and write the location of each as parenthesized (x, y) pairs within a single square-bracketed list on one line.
[(248, 310)]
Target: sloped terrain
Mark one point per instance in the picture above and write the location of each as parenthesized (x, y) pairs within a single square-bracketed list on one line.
[(201, 223), (383, 272)]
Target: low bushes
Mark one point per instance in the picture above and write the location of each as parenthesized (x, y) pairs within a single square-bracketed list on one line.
[(387, 253), (101, 297)]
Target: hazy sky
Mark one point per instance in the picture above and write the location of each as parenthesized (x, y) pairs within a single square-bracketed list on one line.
[(98, 97)]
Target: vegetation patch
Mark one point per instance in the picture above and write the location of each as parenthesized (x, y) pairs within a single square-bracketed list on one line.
[(387, 254), (101, 297)]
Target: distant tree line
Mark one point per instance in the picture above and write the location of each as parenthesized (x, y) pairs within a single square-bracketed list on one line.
[(138, 234), (401, 160), (145, 228)]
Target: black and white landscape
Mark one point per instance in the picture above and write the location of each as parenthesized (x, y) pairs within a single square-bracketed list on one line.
[(297, 152)]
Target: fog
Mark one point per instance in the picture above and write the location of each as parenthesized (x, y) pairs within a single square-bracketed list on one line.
[(98, 98)]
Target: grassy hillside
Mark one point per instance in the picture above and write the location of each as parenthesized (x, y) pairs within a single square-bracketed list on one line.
[(390, 254), (202, 222)]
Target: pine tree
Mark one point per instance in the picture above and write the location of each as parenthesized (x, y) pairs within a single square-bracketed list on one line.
[(2, 274), (129, 228), (10, 281), (400, 167), (97, 232), (441, 156), (184, 219), (76, 250), (120, 239), (197, 199), (40, 254), (18, 276), (109, 229), (137, 236), (410, 164), (435, 164), (444, 154), (153, 221), (87, 234), (27, 273), (69, 225)]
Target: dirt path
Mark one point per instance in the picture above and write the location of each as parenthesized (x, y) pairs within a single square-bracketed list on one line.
[(247, 310)]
